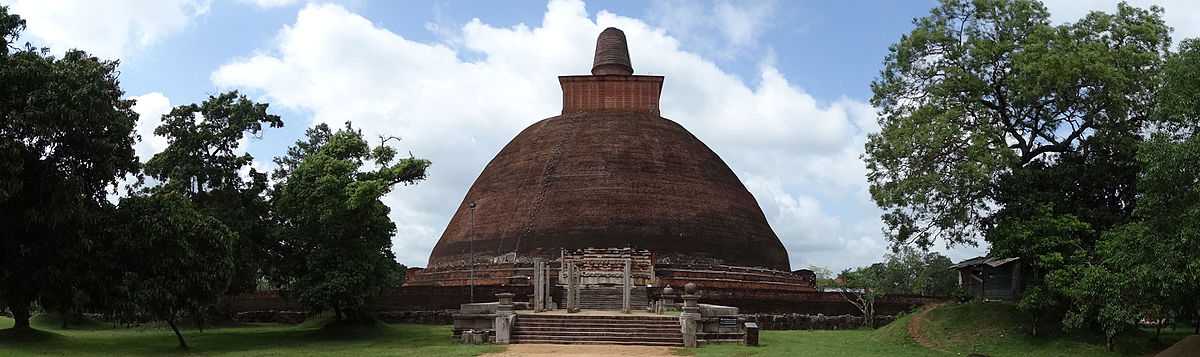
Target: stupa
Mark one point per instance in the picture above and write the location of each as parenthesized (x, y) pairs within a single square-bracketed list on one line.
[(610, 177)]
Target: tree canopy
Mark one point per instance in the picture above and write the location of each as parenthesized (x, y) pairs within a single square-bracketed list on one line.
[(979, 90), (204, 159), (66, 135), (184, 261), (1064, 145), (334, 250)]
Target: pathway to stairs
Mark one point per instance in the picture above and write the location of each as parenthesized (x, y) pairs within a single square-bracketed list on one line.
[(597, 328)]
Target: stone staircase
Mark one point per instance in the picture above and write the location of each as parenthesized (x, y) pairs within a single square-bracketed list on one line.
[(609, 298), (598, 330)]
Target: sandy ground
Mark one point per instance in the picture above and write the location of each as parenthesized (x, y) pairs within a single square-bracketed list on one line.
[(1188, 347), (521, 350)]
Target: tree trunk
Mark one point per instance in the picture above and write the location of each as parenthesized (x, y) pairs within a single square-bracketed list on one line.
[(20, 313), (1034, 330), (182, 343), (1108, 342), (337, 311)]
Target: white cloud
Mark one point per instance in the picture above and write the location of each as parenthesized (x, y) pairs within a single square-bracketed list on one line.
[(798, 155), (1182, 15), (738, 24), (150, 108), (108, 29), (266, 4)]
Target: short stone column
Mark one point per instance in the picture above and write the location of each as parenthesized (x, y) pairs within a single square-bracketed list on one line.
[(539, 285), (572, 287), (626, 287), (504, 318), (689, 320), (751, 334)]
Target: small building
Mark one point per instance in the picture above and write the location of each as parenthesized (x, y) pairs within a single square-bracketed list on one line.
[(991, 278)]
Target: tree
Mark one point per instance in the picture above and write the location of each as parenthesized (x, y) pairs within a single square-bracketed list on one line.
[(335, 246), (203, 161), (861, 287), (910, 271), (66, 135), (183, 257), (984, 89), (1170, 185)]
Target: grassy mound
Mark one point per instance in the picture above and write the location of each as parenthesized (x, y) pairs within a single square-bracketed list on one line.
[(998, 329)]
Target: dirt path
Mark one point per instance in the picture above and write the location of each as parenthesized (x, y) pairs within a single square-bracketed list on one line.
[(914, 329), (523, 350)]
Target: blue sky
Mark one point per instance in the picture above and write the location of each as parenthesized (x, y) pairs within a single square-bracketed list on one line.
[(778, 89)]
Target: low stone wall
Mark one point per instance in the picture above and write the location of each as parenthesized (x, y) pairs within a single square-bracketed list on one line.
[(438, 298), (271, 316), (812, 322), (437, 317)]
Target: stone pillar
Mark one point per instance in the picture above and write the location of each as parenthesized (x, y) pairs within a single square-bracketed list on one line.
[(539, 289), (504, 318), (627, 286), (666, 299), (572, 287), (751, 334), (690, 318)]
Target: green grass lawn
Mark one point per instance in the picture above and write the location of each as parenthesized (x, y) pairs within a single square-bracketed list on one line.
[(952, 330), (844, 343), (251, 340)]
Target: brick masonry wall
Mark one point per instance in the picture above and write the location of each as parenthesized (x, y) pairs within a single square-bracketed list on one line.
[(438, 298), (610, 93)]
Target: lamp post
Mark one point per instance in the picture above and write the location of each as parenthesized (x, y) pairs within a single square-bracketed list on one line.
[(471, 247)]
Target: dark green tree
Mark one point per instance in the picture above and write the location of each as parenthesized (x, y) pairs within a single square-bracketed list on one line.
[(202, 160), (183, 257), (66, 135), (981, 90), (911, 271), (335, 245)]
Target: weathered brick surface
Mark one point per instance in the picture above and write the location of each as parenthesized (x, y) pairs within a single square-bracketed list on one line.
[(610, 93), (610, 179)]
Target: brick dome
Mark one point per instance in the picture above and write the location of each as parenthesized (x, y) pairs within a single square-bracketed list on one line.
[(609, 173)]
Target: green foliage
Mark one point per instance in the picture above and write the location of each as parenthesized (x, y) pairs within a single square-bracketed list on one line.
[(202, 160), (979, 89), (66, 135), (184, 257), (204, 140), (910, 271), (335, 246), (1177, 103)]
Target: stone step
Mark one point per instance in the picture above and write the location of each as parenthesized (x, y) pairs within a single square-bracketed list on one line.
[(720, 341), (611, 325), (577, 317), (628, 339), (656, 329), (599, 334), (598, 329), (624, 343), (523, 319)]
